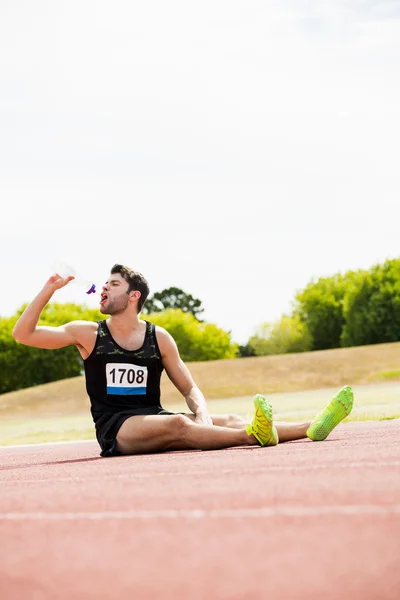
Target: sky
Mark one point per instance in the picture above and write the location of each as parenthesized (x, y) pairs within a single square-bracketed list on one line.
[(234, 149)]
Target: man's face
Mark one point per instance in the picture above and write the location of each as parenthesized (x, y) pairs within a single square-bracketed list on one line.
[(114, 296)]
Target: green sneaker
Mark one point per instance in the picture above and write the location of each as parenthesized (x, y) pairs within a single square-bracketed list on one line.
[(261, 426), (331, 415)]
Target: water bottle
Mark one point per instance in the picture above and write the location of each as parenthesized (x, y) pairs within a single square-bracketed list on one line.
[(64, 270)]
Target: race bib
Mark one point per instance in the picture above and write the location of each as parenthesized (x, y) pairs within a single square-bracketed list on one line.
[(126, 379)]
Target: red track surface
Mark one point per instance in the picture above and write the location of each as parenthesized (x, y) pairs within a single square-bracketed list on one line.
[(302, 520)]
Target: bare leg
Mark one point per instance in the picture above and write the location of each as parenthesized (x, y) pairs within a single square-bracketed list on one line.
[(154, 433), (287, 432), (291, 431)]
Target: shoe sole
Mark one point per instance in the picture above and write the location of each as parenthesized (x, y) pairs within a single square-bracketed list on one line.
[(262, 403), (337, 410)]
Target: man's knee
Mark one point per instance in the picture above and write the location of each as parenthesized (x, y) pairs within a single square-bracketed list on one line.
[(234, 419), (181, 426), (141, 436)]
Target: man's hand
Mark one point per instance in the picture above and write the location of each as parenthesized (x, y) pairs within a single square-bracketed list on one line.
[(57, 282), (203, 418)]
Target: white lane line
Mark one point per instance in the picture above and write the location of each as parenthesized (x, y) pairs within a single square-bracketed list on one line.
[(198, 472), (196, 514), (33, 446)]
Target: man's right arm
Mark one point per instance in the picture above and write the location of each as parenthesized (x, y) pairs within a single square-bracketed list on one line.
[(27, 331)]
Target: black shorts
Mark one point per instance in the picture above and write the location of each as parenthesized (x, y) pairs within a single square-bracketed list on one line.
[(107, 427)]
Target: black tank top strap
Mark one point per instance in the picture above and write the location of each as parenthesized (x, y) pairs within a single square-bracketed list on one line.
[(150, 342)]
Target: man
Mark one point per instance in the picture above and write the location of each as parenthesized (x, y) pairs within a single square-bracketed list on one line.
[(124, 357)]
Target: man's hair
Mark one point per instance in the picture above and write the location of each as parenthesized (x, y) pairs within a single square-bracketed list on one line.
[(136, 281)]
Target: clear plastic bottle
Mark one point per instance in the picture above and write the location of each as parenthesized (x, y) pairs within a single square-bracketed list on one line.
[(64, 270)]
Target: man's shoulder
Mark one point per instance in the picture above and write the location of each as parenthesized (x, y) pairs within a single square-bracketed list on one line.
[(161, 332), (165, 341)]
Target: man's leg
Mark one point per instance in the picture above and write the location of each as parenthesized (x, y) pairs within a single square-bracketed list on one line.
[(154, 433), (287, 432)]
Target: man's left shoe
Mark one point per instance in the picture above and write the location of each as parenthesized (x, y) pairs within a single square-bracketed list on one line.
[(262, 427), (326, 420)]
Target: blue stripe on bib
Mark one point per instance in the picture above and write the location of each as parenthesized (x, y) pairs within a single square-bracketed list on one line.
[(126, 391)]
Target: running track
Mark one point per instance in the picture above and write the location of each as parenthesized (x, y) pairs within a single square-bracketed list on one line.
[(299, 521)]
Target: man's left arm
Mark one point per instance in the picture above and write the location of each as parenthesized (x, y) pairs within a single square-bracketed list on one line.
[(181, 377), (197, 404)]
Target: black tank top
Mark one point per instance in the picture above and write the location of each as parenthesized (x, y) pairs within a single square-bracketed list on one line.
[(119, 380)]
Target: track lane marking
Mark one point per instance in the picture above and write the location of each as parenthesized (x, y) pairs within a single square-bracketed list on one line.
[(39, 445), (196, 514)]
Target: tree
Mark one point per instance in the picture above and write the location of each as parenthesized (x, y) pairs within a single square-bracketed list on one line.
[(372, 307), (288, 334), (196, 340), (320, 308), (173, 297), (22, 366), (246, 350)]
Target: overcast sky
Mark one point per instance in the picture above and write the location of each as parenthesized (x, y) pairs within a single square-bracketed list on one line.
[(234, 149)]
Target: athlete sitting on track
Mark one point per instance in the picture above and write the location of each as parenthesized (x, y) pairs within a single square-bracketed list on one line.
[(124, 357)]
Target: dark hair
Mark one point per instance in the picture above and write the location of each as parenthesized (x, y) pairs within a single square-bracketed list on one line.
[(136, 280)]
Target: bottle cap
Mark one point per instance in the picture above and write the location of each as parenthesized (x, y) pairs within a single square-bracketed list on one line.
[(92, 289)]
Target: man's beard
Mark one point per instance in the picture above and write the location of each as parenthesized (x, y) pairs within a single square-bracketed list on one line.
[(114, 307)]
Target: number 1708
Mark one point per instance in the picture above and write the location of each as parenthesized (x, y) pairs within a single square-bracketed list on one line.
[(127, 375)]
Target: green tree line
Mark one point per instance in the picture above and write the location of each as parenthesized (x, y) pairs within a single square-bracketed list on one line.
[(351, 309)]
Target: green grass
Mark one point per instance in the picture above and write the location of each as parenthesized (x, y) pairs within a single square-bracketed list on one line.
[(20, 430), (386, 376), (372, 402)]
